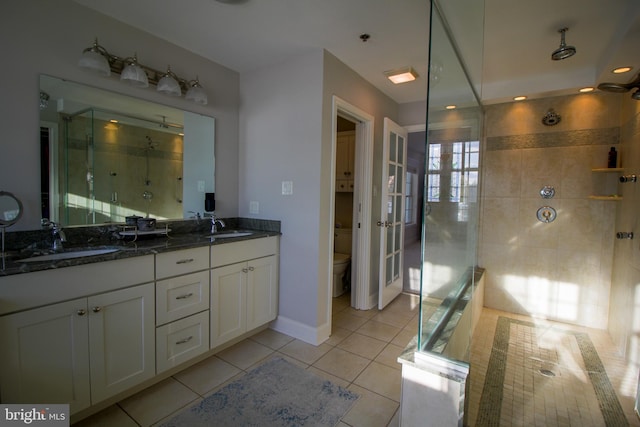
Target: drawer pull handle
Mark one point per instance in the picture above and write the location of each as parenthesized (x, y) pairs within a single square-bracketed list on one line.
[(184, 340), (245, 270), (185, 261), (185, 296), (251, 268)]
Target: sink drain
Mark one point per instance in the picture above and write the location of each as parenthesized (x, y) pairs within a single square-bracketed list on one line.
[(547, 373)]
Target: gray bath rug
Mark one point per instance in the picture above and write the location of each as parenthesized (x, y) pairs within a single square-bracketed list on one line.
[(275, 394)]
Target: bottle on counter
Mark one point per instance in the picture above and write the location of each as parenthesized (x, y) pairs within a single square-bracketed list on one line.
[(613, 158)]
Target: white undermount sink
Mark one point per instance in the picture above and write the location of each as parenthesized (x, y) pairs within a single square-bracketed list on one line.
[(232, 234), (69, 255)]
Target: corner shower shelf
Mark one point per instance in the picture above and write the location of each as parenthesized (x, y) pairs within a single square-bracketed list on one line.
[(611, 198), (605, 170)]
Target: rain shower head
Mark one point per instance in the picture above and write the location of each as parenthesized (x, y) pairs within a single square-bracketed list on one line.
[(564, 51), (623, 87)]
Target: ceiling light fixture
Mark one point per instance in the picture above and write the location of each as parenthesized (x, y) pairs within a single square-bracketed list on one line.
[(401, 75), (97, 59), (621, 70), (564, 51), (586, 89)]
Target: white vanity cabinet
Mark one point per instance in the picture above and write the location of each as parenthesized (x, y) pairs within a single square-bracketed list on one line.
[(244, 287), (182, 306), (79, 352)]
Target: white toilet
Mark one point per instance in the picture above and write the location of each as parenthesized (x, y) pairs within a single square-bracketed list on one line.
[(341, 258)]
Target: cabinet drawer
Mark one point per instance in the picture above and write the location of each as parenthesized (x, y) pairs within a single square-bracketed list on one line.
[(181, 340), (230, 253), (181, 296), (181, 262)]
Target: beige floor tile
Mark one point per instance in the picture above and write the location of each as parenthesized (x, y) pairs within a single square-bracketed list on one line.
[(207, 375), (158, 401), (403, 338), (337, 335), (371, 410), (272, 339), (362, 345), (395, 319), (378, 330), (389, 356), (348, 321), (381, 379), (305, 352), (342, 364), (245, 354), (112, 416)]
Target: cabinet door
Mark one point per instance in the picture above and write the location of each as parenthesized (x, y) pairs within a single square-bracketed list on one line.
[(262, 291), (122, 340), (345, 151), (228, 307), (44, 356)]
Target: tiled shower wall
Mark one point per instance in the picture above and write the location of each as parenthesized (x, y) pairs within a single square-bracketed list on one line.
[(625, 288), (560, 270)]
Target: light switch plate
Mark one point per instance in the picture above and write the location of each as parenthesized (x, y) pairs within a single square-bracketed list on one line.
[(200, 186), (254, 207), (287, 188)]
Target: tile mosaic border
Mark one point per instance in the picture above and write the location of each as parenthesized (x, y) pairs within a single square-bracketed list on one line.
[(492, 392), (607, 136)]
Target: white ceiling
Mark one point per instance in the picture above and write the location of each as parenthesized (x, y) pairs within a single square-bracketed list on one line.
[(519, 36)]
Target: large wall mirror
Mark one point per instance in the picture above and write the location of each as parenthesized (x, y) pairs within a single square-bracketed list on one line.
[(105, 156)]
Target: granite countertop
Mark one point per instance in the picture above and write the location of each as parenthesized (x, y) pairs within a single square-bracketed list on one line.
[(179, 236)]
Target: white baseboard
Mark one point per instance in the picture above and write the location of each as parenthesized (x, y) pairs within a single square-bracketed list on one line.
[(301, 331)]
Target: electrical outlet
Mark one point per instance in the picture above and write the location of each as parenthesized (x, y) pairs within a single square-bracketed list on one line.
[(254, 207), (200, 186)]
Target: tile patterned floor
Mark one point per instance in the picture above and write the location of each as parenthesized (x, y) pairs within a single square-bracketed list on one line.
[(362, 352), (360, 355)]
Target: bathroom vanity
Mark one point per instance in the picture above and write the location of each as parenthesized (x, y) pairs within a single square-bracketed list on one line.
[(94, 333)]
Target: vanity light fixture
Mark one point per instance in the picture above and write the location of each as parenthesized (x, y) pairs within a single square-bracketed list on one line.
[(133, 73), (168, 84), (97, 59), (196, 93), (402, 75)]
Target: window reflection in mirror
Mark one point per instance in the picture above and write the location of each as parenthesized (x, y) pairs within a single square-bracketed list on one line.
[(105, 156)]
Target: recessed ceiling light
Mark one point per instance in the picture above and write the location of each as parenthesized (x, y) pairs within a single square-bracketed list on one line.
[(621, 70), (450, 107), (519, 98), (113, 121), (586, 89), (401, 75)]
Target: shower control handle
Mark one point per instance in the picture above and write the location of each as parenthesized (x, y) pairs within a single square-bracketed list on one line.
[(624, 235), (629, 178)]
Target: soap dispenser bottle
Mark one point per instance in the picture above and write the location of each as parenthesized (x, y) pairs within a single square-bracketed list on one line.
[(613, 158)]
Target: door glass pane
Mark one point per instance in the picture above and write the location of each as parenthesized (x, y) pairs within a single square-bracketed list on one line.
[(391, 182), (389, 240), (390, 209), (397, 236), (400, 149), (396, 265), (392, 147), (397, 209), (389, 273)]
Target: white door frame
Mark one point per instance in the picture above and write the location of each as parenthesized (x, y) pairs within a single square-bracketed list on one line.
[(362, 201)]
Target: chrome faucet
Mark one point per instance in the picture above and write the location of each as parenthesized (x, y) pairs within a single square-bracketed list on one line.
[(214, 224), (58, 236)]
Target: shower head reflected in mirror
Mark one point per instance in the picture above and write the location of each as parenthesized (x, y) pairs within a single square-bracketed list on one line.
[(564, 51)]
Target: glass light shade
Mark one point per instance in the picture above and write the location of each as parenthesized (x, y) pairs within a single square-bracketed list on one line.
[(197, 94), (169, 86), (133, 74), (95, 61)]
